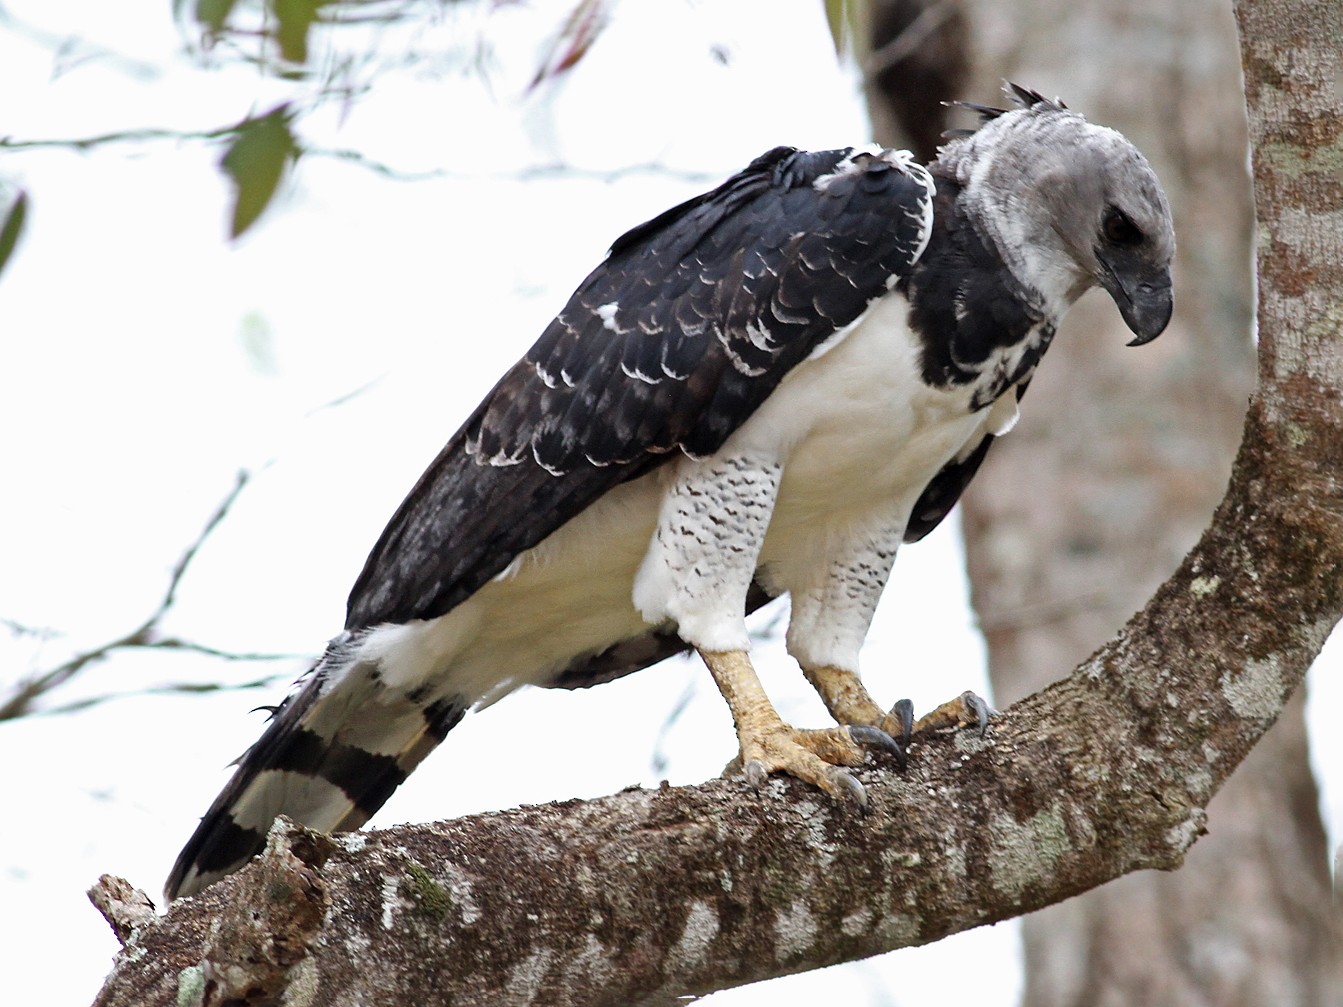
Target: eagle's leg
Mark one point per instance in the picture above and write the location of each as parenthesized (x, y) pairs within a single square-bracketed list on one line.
[(832, 607), (849, 703), (770, 745), (697, 574)]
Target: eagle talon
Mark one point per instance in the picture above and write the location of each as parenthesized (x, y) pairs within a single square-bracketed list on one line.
[(966, 710), (848, 784), (981, 709), (756, 773), (875, 737), (818, 757), (904, 711)]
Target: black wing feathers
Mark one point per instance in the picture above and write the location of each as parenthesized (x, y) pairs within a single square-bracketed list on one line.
[(940, 495), (638, 652), (669, 345)]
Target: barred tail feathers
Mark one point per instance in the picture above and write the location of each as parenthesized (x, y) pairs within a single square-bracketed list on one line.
[(332, 755)]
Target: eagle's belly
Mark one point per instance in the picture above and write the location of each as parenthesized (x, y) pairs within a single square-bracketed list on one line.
[(857, 429), (857, 435), (569, 595)]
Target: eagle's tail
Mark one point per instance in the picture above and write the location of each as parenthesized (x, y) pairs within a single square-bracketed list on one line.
[(334, 751)]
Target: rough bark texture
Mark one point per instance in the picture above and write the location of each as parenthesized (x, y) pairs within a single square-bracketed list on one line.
[(1108, 480), (645, 895)]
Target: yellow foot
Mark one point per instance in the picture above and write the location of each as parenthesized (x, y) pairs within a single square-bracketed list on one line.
[(849, 703), (816, 756), (769, 745), (966, 710)]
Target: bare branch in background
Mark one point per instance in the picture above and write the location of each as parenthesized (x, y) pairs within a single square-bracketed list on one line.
[(920, 51), (311, 47), (22, 697)]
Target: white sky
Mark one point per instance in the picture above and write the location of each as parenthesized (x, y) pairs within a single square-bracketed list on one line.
[(145, 361)]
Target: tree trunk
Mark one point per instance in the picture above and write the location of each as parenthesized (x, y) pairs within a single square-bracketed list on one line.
[(915, 55), (1104, 486), (648, 895)]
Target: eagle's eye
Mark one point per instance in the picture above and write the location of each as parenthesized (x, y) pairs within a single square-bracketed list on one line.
[(1118, 228)]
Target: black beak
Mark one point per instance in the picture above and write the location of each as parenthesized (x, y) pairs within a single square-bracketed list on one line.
[(1143, 296)]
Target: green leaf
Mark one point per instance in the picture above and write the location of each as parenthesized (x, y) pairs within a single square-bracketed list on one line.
[(12, 227), (213, 14), (293, 19), (256, 160), (258, 343)]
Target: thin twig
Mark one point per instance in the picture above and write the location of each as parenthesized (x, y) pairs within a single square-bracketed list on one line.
[(358, 158), (179, 571), (145, 135), (17, 628), (908, 41), (173, 689), (20, 701), (659, 761)]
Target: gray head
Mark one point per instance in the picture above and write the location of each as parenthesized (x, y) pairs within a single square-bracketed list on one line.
[(1069, 205)]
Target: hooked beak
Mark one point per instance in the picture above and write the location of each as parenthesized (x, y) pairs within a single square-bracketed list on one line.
[(1143, 296)]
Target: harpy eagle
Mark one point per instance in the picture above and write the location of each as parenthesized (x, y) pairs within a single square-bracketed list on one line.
[(762, 391)]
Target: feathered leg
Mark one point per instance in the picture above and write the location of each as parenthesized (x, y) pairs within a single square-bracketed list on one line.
[(698, 574), (833, 604)]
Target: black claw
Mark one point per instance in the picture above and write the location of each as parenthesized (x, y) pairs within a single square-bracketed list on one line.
[(905, 711), (878, 738), (981, 711), (854, 790), (756, 774)]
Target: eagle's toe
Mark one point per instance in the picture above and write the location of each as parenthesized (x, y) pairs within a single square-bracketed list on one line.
[(966, 710), (818, 757), (847, 784)]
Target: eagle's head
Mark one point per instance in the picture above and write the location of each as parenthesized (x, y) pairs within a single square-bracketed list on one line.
[(1069, 205)]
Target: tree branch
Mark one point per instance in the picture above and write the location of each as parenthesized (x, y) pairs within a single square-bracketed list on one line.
[(648, 895)]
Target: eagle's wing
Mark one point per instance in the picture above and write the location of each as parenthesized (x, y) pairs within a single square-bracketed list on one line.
[(669, 345), (941, 494)]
